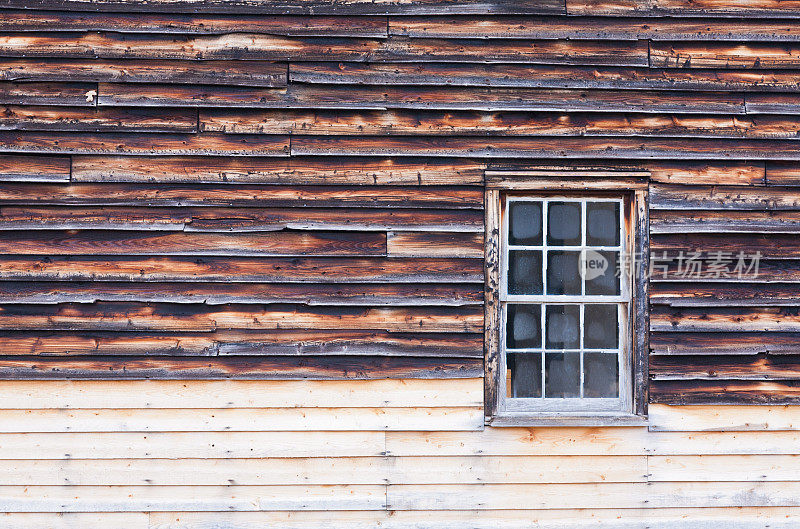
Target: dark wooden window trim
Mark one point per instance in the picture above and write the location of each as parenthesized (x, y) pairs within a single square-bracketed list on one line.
[(635, 184)]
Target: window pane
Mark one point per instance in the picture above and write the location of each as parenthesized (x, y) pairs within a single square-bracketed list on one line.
[(524, 327), (525, 272), (563, 327), (526, 374), (562, 376), (602, 281), (601, 375), (564, 223), (525, 223), (562, 272), (602, 224), (600, 327)]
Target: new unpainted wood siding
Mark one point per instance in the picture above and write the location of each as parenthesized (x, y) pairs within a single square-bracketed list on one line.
[(294, 189), (367, 454)]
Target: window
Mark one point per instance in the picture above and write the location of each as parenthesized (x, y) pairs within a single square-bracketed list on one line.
[(563, 338)]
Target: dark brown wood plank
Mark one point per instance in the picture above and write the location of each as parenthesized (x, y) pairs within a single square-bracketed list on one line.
[(250, 343), (148, 22), (738, 367), (302, 7), (250, 46), (722, 392), (244, 73), (431, 244), (671, 221), (152, 144), (450, 98), (769, 271), (786, 174), (58, 94), (15, 168), (771, 246), (772, 104), (447, 123), (685, 294), (723, 55), (203, 318), (534, 147), (724, 198), (550, 76), (240, 367), (506, 27), (724, 319), (15, 117), (700, 8), (242, 196), (99, 242), (710, 172), (735, 343), (221, 293), (297, 170), (242, 269), (210, 219)]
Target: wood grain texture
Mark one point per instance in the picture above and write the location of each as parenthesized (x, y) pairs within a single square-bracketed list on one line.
[(655, 8)]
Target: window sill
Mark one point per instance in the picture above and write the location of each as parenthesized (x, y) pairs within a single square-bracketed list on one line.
[(566, 419)]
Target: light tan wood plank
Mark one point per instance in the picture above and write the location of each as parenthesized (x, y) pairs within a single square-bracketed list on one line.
[(62, 394), (76, 520), (241, 420), (723, 418), (724, 468)]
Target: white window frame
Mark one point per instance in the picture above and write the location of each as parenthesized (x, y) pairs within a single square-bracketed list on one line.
[(594, 406)]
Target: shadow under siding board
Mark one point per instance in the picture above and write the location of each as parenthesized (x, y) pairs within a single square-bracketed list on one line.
[(304, 7), (56, 94), (15, 168), (550, 76), (689, 8), (724, 55), (539, 147), (436, 198), (507, 123), (15, 117), (244, 73), (725, 392), (529, 27), (724, 319), (242, 220), (336, 96), (334, 367), (729, 343), (403, 294), (305, 171), (103, 242), (251, 46), (175, 23), (243, 343), (242, 269), (110, 316), (157, 144)]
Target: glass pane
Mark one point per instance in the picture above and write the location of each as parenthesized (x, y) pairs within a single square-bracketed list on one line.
[(525, 223), (526, 374), (600, 327), (563, 272), (562, 375), (564, 223), (601, 375), (524, 327), (525, 272), (563, 327), (602, 224), (600, 270)]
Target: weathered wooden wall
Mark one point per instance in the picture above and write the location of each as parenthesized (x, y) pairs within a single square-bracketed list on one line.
[(293, 189), (402, 454)]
